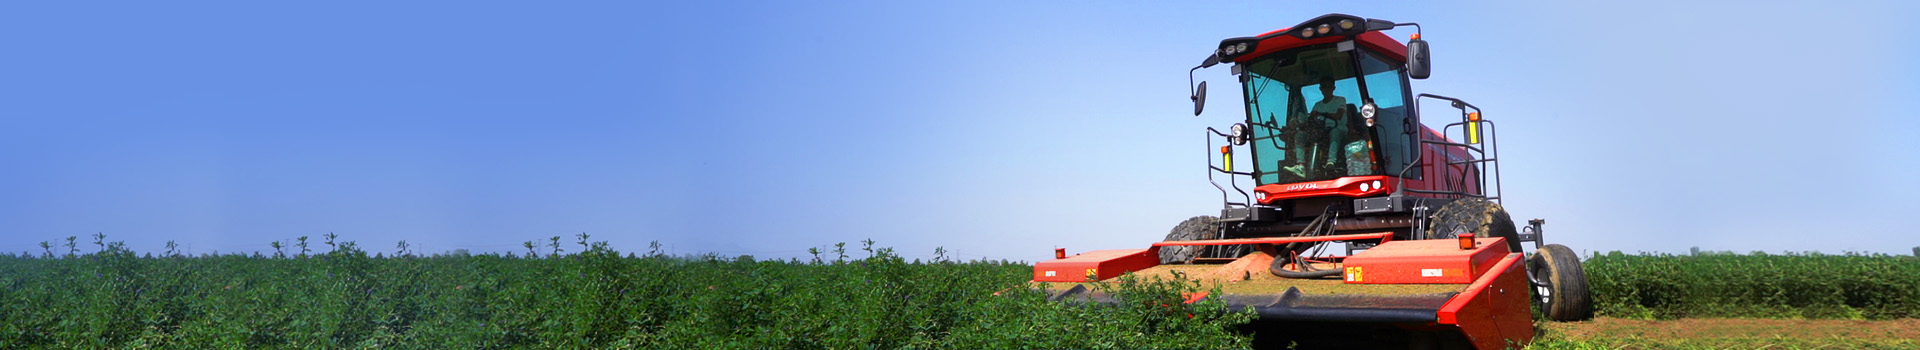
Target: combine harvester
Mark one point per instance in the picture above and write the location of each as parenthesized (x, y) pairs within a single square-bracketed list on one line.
[(1339, 154)]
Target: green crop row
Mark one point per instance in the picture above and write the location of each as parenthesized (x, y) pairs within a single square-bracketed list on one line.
[(1757, 285), (592, 299), (597, 298)]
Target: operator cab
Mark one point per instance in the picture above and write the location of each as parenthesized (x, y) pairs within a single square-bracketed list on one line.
[(1304, 109), (1332, 124)]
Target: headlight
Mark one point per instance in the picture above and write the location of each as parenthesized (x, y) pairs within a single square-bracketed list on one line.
[(1239, 133), (1259, 196)]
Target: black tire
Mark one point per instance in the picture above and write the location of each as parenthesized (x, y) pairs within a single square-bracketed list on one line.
[(1478, 216), (1198, 228), (1566, 298), (1193, 228)]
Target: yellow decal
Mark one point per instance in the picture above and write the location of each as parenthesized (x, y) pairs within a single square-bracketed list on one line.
[(1353, 274), (1093, 274)]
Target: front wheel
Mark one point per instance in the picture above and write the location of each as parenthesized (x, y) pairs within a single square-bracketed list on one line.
[(1565, 296), (1199, 228), (1478, 216), (1195, 228)]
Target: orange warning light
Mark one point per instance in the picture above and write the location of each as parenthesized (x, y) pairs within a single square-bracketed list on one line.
[(1226, 149), (1473, 117), (1466, 241), (1416, 36)]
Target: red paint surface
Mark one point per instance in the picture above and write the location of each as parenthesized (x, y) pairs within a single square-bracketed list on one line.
[(1104, 264), (1383, 236), (1403, 262), (1494, 310)]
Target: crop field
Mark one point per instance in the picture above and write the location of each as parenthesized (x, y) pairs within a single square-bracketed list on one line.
[(1746, 301), (587, 295), (593, 298)]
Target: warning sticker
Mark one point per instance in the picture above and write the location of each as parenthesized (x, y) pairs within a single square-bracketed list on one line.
[(1430, 273), (1353, 274)]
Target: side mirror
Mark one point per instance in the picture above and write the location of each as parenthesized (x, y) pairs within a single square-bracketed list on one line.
[(1199, 98), (1419, 61)]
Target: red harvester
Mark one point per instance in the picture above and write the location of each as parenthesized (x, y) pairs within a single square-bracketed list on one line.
[(1429, 257)]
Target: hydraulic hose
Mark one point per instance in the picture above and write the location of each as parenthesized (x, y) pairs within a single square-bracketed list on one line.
[(1279, 269), (1291, 253)]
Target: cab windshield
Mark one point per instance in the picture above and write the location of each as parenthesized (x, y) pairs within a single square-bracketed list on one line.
[(1303, 108)]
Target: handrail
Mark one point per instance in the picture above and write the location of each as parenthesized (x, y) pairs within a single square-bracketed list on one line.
[(1231, 180), (1489, 153)]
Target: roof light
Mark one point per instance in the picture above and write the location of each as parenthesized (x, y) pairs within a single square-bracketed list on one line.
[(1242, 48), (1324, 29), (1306, 32), (1346, 24)]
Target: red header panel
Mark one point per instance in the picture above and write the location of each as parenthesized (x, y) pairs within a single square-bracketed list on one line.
[(1424, 261)]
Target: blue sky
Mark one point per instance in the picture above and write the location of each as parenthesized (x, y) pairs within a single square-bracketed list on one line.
[(993, 129)]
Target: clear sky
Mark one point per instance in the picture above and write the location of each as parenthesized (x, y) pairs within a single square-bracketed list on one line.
[(994, 129)]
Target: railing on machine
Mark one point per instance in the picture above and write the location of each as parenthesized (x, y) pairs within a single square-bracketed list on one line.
[(1232, 178), (1471, 169)]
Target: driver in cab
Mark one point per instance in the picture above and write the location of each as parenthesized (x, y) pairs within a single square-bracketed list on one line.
[(1329, 113)]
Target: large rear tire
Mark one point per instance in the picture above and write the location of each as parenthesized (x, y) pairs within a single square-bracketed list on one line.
[(1566, 298), (1478, 216), (1198, 228)]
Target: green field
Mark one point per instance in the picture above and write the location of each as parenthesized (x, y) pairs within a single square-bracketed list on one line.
[(586, 295), (592, 298), (1756, 285)]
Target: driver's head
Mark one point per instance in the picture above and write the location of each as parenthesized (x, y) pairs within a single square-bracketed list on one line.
[(1326, 86)]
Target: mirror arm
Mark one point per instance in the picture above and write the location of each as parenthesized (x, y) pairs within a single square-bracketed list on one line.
[(1416, 27), (1190, 91)]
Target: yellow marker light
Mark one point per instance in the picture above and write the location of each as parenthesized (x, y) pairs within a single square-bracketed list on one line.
[(1473, 128), (1226, 158), (1473, 132)]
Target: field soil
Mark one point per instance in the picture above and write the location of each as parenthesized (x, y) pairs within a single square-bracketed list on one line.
[(1721, 332)]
